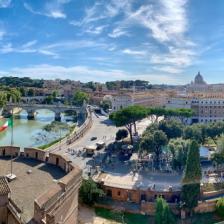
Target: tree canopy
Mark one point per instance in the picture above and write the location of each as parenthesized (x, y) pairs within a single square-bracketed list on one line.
[(154, 143), (128, 116), (89, 192), (163, 213), (190, 192), (192, 172), (80, 97)]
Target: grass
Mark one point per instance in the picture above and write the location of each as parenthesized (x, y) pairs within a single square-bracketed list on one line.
[(71, 130), (126, 218), (123, 217), (49, 144)]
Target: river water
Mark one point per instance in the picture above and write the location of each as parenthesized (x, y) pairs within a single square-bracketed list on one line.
[(30, 133)]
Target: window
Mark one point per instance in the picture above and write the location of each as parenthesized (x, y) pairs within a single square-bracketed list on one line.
[(118, 193)]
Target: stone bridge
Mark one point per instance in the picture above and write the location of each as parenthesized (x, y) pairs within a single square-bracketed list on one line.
[(31, 109)]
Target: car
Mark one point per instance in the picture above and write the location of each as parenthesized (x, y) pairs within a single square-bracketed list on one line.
[(93, 138)]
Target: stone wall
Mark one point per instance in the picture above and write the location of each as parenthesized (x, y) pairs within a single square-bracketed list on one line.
[(60, 203), (138, 195), (9, 150), (35, 154)]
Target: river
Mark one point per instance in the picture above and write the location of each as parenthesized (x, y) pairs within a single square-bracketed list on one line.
[(30, 133)]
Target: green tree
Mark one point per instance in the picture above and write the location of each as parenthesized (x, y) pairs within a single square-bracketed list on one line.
[(163, 213), (89, 192), (121, 134), (14, 95), (55, 94), (172, 128), (193, 132), (220, 144), (192, 176), (179, 149), (154, 143), (192, 172), (3, 99), (220, 207), (48, 99), (106, 105), (159, 210), (80, 97), (30, 92), (128, 116)]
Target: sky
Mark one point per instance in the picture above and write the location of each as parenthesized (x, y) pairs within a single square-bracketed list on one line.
[(161, 41)]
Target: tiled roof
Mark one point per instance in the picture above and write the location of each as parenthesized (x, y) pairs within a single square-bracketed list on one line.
[(4, 187)]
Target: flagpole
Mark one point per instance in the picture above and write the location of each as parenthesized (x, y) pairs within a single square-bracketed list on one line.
[(11, 140)]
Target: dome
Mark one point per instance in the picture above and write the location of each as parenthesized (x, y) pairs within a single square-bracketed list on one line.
[(199, 79)]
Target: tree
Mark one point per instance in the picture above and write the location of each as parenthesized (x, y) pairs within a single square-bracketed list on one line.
[(48, 99), (179, 149), (155, 113), (159, 210), (30, 92), (193, 132), (163, 213), (106, 105), (121, 134), (172, 128), (220, 207), (55, 94), (3, 99), (192, 172), (154, 143), (128, 116), (14, 95), (192, 176), (80, 97), (89, 192)]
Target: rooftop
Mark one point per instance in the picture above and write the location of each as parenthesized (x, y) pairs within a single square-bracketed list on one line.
[(27, 187), (138, 181)]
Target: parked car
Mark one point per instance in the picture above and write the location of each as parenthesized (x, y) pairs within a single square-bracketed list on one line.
[(93, 138)]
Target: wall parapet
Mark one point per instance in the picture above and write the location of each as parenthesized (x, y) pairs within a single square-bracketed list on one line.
[(57, 203)]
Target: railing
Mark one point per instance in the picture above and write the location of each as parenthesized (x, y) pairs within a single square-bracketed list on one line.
[(82, 130), (75, 135)]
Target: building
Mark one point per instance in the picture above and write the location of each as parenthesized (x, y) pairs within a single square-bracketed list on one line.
[(206, 101), (150, 98), (45, 190)]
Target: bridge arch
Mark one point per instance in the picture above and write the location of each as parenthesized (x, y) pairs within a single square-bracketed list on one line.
[(57, 109)]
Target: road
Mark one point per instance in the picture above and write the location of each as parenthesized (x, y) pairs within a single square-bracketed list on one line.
[(102, 128)]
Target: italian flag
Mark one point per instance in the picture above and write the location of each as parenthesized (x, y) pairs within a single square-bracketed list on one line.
[(8, 123)]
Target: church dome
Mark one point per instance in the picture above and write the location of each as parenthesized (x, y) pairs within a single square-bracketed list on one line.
[(199, 79)]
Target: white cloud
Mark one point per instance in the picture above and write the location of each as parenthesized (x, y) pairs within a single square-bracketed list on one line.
[(2, 34), (96, 30), (53, 9), (134, 52), (29, 44), (5, 3), (118, 32), (74, 72)]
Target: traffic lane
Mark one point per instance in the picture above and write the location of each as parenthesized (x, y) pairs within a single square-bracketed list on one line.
[(102, 128)]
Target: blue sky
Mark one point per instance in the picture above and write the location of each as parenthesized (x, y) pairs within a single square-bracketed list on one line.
[(162, 41)]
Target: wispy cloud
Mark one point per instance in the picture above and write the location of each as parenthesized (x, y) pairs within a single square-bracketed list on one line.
[(118, 32), (2, 34), (74, 72), (134, 52), (86, 74), (5, 3), (28, 48), (53, 9)]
